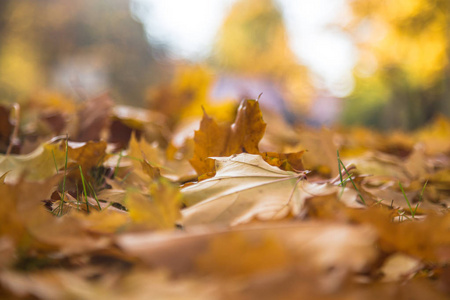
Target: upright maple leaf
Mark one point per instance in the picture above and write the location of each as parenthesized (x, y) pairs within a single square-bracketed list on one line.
[(214, 139), (243, 136)]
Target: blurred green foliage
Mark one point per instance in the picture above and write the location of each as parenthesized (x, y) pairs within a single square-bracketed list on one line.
[(402, 79)]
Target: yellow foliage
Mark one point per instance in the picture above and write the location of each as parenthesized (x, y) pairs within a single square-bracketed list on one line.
[(413, 35), (253, 40), (20, 68)]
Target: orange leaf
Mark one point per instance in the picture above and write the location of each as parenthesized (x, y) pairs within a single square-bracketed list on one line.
[(285, 161), (87, 155), (242, 136)]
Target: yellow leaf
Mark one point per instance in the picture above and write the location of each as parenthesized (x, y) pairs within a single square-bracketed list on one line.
[(140, 151), (37, 165), (159, 210)]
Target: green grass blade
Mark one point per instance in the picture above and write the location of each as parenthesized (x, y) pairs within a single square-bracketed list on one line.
[(423, 190), (54, 160), (118, 163), (84, 189), (342, 184), (339, 166), (420, 197), (353, 183), (65, 175), (413, 212), (94, 195)]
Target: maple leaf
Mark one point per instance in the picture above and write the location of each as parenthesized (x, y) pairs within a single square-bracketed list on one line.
[(213, 139), (39, 164), (243, 136), (246, 187), (87, 155), (158, 210), (141, 150)]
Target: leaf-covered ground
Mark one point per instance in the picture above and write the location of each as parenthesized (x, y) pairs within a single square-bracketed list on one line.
[(99, 201)]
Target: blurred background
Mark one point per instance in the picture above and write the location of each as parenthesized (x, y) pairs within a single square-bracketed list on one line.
[(382, 64)]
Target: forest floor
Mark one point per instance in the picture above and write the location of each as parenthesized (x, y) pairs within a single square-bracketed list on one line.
[(100, 201)]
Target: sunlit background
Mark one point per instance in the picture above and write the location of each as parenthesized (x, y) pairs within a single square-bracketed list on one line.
[(383, 64), (189, 29)]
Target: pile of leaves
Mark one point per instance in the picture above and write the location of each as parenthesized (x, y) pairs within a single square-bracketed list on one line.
[(111, 202)]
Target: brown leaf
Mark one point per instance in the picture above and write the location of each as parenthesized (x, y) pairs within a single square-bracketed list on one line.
[(152, 172), (243, 136), (425, 239), (87, 155), (285, 161), (93, 118)]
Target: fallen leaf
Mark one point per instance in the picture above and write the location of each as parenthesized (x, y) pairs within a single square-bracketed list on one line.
[(426, 239), (260, 254), (37, 165), (246, 187), (320, 150), (87, 155), (213, 139), (285, 161), (140, 153), (202, 250), (399, 267), (93, 119), (158, 210)]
